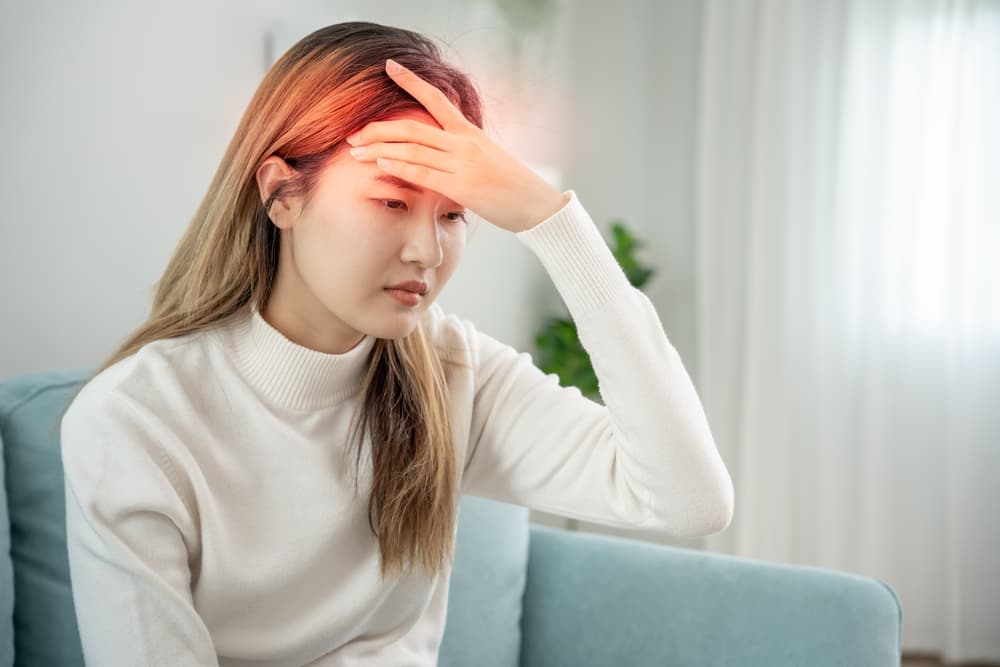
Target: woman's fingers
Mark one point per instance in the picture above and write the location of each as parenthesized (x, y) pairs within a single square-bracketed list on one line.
[(433, 99)]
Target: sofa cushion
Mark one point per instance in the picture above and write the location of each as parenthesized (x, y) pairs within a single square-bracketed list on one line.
[(483, 626), (594, 600), (44, 620)]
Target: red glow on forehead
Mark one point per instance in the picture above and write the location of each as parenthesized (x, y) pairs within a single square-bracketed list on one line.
[(399, 182), (403, 184)]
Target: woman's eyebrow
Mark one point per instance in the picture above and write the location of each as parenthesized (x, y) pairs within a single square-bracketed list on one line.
[(403, 184)]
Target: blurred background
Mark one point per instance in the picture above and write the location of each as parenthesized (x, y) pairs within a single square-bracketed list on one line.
[(816, 183)]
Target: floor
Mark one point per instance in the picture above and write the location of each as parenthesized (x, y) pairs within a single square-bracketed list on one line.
[(927, 661)]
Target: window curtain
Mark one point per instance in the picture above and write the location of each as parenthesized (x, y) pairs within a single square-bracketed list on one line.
[(848, 296)]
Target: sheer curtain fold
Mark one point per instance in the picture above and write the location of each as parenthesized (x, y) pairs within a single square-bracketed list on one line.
[(848, 232)]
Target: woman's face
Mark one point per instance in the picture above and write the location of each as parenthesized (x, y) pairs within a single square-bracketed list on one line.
[(358, 235)]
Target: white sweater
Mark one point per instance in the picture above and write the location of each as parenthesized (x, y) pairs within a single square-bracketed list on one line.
[(210, 520)]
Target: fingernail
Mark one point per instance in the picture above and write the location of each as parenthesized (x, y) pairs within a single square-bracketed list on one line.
[(358, 151), (354, 138), (393, 67)]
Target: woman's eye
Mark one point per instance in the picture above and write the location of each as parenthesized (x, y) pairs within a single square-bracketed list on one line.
[(384, 202)]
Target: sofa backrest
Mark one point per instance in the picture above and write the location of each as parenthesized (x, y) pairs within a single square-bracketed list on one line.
[(6, 576), (37, 619), (43, 618)]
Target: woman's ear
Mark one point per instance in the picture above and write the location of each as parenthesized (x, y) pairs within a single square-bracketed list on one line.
[(270, 174)]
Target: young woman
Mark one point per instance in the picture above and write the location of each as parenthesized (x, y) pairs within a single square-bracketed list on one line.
[(214, 515)]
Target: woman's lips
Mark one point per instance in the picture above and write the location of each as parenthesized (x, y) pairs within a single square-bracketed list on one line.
[(405, 297)]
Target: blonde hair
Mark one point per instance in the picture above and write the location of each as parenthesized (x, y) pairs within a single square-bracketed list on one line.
[(329, 84)]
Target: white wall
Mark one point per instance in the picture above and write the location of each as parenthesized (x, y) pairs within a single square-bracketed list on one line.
[(115, 118)]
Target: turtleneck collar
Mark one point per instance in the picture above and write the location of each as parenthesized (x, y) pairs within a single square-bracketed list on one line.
[(289, 374)]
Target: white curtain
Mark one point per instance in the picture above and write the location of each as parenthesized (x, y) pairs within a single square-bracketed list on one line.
[(848, 232)]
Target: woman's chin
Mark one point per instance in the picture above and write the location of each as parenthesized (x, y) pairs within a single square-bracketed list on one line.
[(402, 327)]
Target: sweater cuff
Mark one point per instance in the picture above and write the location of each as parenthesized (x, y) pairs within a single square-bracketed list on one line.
[(577, 258)]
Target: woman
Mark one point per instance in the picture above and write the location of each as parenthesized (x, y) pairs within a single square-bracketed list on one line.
[(212, 514)]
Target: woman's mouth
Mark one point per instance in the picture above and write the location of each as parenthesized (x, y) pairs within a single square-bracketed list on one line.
[(405, 297)]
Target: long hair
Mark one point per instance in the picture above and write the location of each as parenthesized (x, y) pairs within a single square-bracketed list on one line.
[(328, 85)]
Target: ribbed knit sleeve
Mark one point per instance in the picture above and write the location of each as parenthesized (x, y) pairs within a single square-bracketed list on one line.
[(128, 526), (646, 458)]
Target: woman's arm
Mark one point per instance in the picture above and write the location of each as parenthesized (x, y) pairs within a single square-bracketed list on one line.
[(645, 459), (127, 530)]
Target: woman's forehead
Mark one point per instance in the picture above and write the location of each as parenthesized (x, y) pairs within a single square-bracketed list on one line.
[(417, 115)]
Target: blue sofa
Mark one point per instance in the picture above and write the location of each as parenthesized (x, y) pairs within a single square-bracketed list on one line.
[(521, 594)]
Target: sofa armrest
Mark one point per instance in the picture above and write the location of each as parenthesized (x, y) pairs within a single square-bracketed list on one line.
[(595, 599)]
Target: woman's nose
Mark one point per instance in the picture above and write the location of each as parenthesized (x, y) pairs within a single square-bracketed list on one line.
[(423, 242)]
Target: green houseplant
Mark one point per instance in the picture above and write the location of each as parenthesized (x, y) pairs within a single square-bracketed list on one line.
[(558, 348)]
